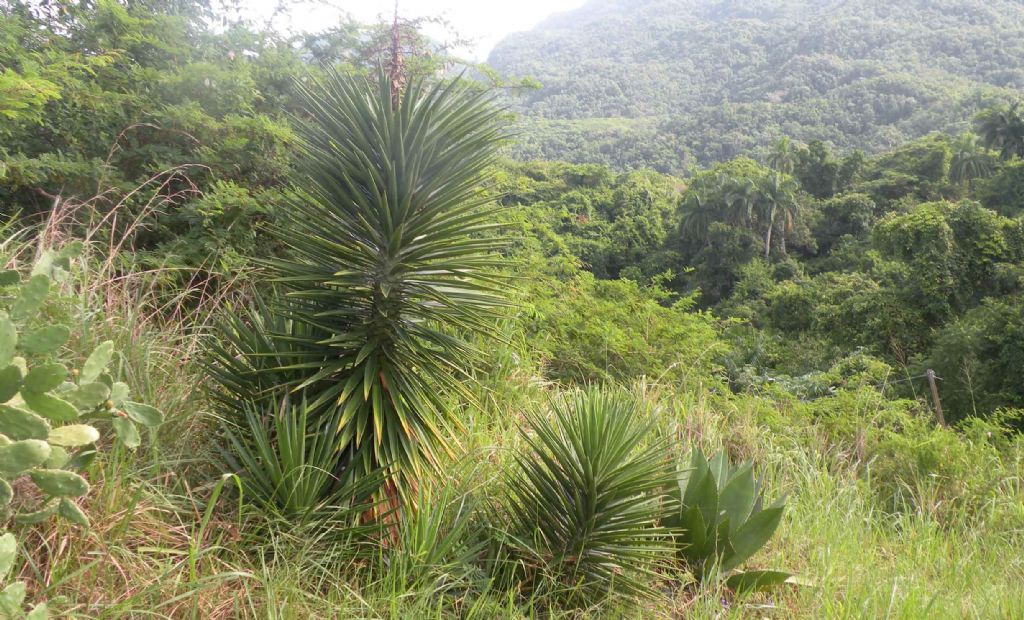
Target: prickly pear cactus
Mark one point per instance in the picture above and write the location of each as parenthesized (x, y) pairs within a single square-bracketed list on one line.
[(49, 415)]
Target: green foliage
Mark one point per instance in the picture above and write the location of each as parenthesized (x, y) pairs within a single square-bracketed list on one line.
[(979, 357), (1003, 192), (817, 170), (913, 466), (617, 225), (586, 498), (721, 522), (439, 545), (588, 330), (1002, 129), (924, 240), (970, 161), (849, 214), (879, 268), (153, 97)]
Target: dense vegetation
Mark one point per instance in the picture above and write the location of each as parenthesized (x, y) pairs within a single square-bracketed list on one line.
[(673, 83), (323, 353), (913, 258)]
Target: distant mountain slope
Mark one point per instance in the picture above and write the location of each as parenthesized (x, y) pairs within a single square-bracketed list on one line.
[(670, 82)]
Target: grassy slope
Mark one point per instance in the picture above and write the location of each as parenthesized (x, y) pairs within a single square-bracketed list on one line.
[(149, 549)]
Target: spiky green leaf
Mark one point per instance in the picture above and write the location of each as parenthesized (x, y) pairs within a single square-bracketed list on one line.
[(586, 494), (753, 535)]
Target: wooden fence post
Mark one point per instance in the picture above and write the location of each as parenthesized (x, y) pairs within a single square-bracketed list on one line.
[(935, 397)]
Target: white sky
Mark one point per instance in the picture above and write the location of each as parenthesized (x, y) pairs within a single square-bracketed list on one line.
[(484, 21)]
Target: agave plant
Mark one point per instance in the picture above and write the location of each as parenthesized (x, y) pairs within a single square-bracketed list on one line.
[(389, 267), (720, 522), (586, 498)]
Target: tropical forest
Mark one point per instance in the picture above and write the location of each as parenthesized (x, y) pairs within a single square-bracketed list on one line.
[(658, 309)]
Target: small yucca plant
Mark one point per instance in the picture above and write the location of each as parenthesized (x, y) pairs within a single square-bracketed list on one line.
[(720, 522), (290, 467), (586, 498)]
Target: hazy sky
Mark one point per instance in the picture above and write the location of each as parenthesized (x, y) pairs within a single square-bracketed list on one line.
[(484, 21)]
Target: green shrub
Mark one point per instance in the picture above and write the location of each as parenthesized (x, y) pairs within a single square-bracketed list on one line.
[(968, 473), (617, 330), (980, 357), (438, 548), (721, 522)]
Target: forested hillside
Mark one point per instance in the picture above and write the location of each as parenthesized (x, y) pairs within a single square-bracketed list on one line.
[(672, 83)]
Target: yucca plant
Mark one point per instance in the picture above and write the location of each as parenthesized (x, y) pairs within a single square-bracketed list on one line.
[(388, 267), (719, 522), (290, 467), (586, 498)]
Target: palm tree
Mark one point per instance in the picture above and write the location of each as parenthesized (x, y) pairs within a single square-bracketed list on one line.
[(970, 160), (1002, 129), (783, 157), (775, 201), (389, 269), (697, 218), (742, 197)]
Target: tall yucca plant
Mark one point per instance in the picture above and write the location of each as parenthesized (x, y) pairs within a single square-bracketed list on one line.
[(389, 259)]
